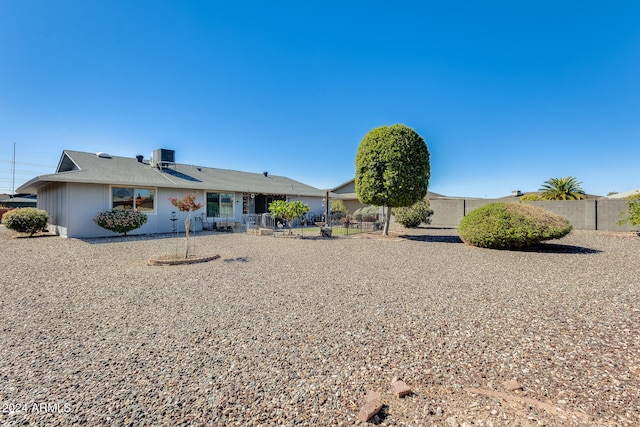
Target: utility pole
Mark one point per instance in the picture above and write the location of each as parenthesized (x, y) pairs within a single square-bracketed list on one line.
[(326, 209), (13, 171)]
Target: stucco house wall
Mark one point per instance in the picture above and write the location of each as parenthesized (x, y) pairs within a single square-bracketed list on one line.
[(54, 199)]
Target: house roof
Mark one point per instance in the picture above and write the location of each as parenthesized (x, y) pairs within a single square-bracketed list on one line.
[(516, 197), (624, 194), (91, 168), (337, 193)]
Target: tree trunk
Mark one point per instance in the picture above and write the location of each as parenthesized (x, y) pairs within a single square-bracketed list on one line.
[(186, 234), (387, 220)]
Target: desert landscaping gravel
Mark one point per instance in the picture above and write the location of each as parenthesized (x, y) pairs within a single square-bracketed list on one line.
[(290, 331)]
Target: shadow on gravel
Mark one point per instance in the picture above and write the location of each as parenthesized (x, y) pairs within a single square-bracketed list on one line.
[(238, 259), (556, 248), (379, 418), (434, 239), (550, 248), (143, 237)]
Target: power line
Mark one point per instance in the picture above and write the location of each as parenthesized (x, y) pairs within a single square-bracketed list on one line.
[(27, 163), (25, 171)]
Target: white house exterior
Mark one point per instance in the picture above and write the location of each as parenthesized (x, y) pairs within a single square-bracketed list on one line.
[(87, 183)]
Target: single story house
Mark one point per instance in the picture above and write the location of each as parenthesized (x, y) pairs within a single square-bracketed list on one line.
[(87, 183)]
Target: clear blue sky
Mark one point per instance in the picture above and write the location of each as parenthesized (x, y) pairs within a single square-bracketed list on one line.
[(507, 94)]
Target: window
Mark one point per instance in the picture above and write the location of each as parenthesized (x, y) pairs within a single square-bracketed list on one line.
[(139, 199), (226, 204), (219, 205)]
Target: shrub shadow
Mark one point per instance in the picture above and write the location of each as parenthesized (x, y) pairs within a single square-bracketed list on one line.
[(433, 239), (557, 248), (551, 248)]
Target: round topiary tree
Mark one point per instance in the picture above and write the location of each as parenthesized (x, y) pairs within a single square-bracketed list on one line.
[(511, 225), (392, 168), (26, 220)]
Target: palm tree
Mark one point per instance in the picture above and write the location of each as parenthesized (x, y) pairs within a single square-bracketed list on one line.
[(562, 189)]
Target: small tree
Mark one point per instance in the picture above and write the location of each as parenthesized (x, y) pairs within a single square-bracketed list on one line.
[(412, 216), (392, 168), (26, 220), (188, 204), (288, 210), (632, 213), (338, 207), (120, 220), (340, 212)]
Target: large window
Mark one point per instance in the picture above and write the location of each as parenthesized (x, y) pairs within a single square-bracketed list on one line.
[(219, 205), (130, 198)]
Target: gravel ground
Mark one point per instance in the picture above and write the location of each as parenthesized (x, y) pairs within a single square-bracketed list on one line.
[(284, 331)]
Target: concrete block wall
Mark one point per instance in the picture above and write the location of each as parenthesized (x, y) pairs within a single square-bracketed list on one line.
[(447, 212), (590, 214), (609, 213), (580, 213)]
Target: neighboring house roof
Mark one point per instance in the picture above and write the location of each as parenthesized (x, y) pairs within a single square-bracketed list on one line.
[(90, 168), (346, 191), (354, 196), (18, 201), (347, 185), (516, 195), (624, 194)]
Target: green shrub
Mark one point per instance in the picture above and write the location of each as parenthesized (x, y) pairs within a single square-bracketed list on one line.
[(26, 220), (632, 213), (533, 197), (120, 220), (412, 216), (511, 225), (338, 206), (4, 210), (367, 214)]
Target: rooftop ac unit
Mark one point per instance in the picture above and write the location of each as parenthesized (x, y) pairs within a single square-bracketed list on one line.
[(161, 157)]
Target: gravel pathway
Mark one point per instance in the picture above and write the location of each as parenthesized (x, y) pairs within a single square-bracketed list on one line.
[(283, 331)]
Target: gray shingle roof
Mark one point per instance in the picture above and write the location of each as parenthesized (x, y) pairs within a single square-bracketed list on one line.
[(81, 167)]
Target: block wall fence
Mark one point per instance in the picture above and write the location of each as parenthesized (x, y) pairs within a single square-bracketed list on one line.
[(596, 214)]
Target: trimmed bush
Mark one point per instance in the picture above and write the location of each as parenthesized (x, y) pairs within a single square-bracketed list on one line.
[(120, 220), (26, 220), (530, 198), (412, 216), (4, 210), (511, 225)]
